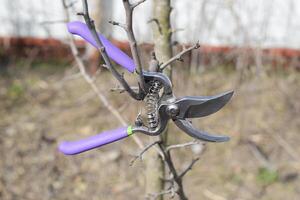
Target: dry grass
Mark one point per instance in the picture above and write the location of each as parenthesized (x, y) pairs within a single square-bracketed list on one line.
[(39, 109)]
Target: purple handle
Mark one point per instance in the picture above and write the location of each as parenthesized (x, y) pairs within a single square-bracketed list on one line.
[(81, 29), (106, 137)]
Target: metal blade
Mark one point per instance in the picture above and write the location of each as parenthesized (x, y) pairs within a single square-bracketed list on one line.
[(187, 127), (201, 106)]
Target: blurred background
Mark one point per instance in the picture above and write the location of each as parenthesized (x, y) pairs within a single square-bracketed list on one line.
[(251, 46)]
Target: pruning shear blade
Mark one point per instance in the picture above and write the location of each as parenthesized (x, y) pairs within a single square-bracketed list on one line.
[(201, 106), (187, 127)]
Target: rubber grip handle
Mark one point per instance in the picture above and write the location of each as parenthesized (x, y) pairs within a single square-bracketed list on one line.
[(81, 29), (106, 137)]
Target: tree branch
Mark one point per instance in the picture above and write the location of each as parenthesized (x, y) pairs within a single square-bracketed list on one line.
[(181, 175), (179, 56), (134, 5), (91, 26), (157, 23), (176, 178), (142, 152), (176, 146), (132, 41), (114, 23)]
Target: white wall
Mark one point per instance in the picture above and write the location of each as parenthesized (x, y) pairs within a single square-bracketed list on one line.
[(217, 22)]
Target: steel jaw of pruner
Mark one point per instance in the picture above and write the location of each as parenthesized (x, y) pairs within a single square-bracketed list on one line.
[(182, 109)]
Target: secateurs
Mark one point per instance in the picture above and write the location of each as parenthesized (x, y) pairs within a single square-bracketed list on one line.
[(161, 104)]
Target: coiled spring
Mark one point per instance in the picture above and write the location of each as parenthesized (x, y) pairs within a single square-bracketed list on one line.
[(151, 104)]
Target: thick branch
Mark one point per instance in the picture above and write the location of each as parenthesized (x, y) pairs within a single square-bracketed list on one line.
[(119, 77), (179, 56)]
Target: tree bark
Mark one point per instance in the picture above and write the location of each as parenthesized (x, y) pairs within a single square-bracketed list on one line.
[(155, 166), (162, 32)]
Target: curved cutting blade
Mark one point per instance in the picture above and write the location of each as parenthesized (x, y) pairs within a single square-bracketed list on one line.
[(187, 127), (201, 106)]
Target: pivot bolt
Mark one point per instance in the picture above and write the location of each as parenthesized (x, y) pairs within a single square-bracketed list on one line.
[(172, 110)]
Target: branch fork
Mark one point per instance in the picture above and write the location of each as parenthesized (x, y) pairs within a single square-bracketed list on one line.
[(90, 23)]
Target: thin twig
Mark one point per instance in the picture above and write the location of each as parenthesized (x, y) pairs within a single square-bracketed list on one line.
[(179, 56), (118, 24), (87, 78), (154, 196), (183, 173), (53, 22), (176, 146), (140, 155), (137, 3)]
